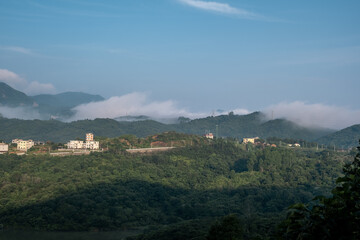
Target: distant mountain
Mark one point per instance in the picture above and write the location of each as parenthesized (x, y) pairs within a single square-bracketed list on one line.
[(132, 118), (60, 105), (57, 131), (251, 125), (13, 98), (345, 138), (67, 99), (47, 105), (236, 126), (283, 128)]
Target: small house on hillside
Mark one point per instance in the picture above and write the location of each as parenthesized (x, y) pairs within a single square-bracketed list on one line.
[(4, 148), (209, 136), (250, 140)]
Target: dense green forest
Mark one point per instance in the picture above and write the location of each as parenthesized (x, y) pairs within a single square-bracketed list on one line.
[(164, 193), (342, 139)]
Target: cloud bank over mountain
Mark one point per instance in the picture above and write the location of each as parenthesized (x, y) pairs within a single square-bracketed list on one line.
[(25, 113), (133, 104), (136, 104), (29, 87), (141, 104), (314, 115)]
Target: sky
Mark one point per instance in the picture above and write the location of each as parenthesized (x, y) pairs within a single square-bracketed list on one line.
[(295, 59)]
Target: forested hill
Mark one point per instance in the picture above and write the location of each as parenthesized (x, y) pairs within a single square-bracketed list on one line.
[(345, 138), (203, 181), (13, 98), (237, 126), (251, 125)]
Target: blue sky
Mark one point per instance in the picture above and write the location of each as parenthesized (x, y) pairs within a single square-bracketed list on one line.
[(200, 55)]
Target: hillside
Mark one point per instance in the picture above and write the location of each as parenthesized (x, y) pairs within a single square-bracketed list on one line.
[(201, 182), (345, 138), (235, 126), (61, 104), (67, 99), (13, 98), (250, 125)]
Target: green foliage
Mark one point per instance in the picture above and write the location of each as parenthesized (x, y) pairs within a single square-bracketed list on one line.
[(335, 217), (345, 138), (12, 97), (200, 182), (228, 228), (235, 126)]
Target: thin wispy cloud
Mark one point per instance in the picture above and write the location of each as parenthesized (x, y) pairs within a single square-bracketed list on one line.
[(17, 49), (223, 8)]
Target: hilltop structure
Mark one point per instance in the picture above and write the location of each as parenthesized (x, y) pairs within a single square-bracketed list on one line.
[(88, 144)]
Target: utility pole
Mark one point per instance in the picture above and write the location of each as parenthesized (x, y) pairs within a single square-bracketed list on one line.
[(217, 131)]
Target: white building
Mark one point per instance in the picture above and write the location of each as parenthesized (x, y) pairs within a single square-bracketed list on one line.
[(24, 145), (93, 145), (4, 148), (88, 144), (74, 144), (209, 136)]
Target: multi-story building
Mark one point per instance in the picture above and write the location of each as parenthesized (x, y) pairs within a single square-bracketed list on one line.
[(89, 137), (88, 144), (75, 144), (24, 145), (93, 145)]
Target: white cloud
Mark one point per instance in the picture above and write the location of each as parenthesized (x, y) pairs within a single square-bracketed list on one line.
[(17, 49), (34, 88), (11, 78), (220, 8), (26, 113), (314, 115), (21, 84), (133, 104)]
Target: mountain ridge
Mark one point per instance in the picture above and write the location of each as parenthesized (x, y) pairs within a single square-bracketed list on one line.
[(235, 126), (345, 138), (48, 105)]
